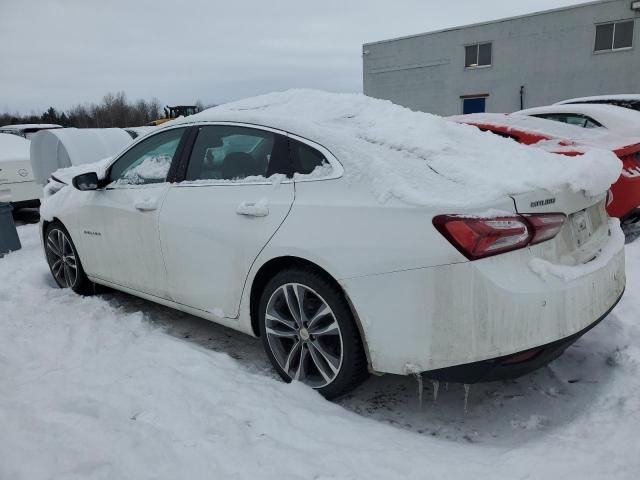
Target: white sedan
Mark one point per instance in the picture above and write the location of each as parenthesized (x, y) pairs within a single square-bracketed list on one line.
[(623, 121), (351, 235)]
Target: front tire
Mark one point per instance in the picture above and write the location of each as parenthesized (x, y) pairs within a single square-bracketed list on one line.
[(309, 332), (64, 262)]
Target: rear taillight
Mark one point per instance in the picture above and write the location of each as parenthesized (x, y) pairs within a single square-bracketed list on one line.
[(631, 166), (477, 237), (545, 226)]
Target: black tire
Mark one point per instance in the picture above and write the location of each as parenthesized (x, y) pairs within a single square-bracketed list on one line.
[(79, 283), (352, 368)]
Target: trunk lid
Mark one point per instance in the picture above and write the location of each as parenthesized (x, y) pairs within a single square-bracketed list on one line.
[(15, 171), (585, 231)]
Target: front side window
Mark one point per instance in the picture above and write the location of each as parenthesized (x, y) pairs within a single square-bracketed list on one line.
[(478, 55), (223, 152), (614, 36), (147, 162)]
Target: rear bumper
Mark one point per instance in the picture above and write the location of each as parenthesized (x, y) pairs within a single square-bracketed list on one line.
[(631, 218), (20, 192), (26, 204), (430, 319), (511, 366)]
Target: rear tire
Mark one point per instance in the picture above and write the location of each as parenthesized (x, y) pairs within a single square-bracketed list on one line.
[(309, 333), (64, 262)]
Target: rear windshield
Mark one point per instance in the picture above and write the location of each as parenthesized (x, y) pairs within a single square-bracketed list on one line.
[(631, 104)]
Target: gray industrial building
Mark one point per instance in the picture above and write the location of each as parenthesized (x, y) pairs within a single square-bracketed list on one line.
[(503, 65)]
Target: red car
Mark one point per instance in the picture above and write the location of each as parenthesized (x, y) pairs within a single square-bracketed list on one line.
[(573, 141)]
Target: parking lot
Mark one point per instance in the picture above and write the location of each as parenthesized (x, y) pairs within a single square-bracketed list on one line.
[(131, 387)]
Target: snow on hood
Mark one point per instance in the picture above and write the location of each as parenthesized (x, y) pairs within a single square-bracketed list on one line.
[(13, 147), (419, 158), (562, 136)]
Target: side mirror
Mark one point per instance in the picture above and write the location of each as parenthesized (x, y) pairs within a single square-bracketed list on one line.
[(86, 181)]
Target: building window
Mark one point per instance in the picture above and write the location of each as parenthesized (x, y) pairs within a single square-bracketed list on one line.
[(474, 104), (478, 55), (614, 36)]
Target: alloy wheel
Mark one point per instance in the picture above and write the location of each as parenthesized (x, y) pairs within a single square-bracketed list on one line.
[(304, 335), (62, 258)]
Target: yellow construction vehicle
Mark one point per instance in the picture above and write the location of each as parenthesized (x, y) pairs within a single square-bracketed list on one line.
[(174, 112)]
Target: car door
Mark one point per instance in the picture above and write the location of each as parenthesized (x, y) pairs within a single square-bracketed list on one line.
[(234, 197), (118, 225)]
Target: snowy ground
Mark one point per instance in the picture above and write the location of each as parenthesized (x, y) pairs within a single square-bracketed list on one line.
[(113, 387)]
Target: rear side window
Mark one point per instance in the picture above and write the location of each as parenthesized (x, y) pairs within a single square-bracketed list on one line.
[(223, 152), (305, 158), (575, 119)]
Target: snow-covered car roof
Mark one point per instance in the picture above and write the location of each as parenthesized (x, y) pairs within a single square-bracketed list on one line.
[(560, 136), (618, 119), (416, 157), (633, 97), (13, 148), (30, 126)]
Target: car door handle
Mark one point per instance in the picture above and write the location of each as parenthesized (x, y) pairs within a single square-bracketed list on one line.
[(146, 205), (253, 209)]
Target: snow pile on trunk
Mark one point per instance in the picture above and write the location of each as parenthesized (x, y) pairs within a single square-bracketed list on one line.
[(93, 390), (13, 147), (416, 157)]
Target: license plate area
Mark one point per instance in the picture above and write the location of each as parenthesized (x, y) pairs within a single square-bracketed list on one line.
[(581, 227)]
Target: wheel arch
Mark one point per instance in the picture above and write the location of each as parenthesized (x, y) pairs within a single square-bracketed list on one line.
[(45, 225), (277, 264)]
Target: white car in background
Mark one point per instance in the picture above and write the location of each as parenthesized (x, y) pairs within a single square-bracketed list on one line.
[(28, 130), (350, 234), (617, 119), (631, 101), (17, 185)]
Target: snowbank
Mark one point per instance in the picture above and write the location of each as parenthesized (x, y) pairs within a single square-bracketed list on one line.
[(13, 147), (92, 388), (416, 157), (55, 149)]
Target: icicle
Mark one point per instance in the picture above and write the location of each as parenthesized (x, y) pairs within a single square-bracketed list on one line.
[(467, 387), (446, 386), (420, 388), (436, 387)]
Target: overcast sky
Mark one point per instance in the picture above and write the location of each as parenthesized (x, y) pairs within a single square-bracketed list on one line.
[(64, 52)]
